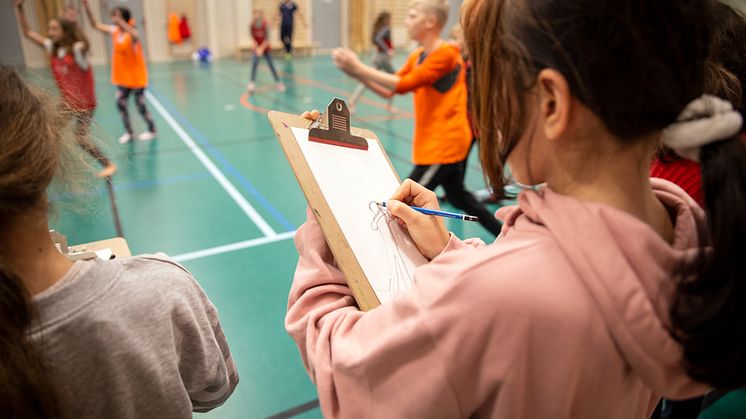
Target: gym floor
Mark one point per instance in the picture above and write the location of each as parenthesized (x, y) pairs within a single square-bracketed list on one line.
[(215, 192)]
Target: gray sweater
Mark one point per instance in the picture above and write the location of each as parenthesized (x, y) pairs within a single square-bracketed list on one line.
[(133, 338)]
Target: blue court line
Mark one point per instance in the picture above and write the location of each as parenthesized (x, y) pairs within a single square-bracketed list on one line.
[(128, 186), (226, 165)]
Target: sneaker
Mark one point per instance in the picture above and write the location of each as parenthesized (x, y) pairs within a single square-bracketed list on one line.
[(288, 56), (125, 138), (250, 87), (281, 87), (107, 171), (146, 136)]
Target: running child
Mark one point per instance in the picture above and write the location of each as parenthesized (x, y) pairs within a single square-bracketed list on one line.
[(129, 72), (382, 59), (67, 49), (435, 73)]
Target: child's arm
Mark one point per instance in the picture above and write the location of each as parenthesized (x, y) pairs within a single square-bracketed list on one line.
[(438, 64), (207, 369), (261, 48), (79, 52), (25, 28), (346, 60), (380, 39), (378, 89), (95, 23), (117, 18), (301, 17), (374, 363)]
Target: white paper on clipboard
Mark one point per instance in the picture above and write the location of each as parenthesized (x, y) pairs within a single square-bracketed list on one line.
[(350, 179)]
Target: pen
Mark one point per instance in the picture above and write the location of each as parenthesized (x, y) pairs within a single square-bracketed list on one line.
[(438, 213)]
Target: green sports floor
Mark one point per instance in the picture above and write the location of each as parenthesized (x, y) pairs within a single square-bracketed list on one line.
[(215, 192)]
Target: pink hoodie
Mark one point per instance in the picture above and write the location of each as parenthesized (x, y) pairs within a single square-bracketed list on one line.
[(564, 316)]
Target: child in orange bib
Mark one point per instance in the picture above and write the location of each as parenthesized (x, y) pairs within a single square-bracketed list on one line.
[(435, 73), (128, 70)]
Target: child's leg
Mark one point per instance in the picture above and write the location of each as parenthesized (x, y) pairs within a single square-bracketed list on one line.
[(82, 132), (464, 200), (355, 96), (268, 57), (140, 101), (123, 93), (254, 64), (82, 129), (430, 176), (286, 34)]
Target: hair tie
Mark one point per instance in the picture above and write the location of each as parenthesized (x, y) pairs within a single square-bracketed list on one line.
[(705, 120)]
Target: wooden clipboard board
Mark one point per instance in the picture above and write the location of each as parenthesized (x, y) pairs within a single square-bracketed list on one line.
[(282, 124)]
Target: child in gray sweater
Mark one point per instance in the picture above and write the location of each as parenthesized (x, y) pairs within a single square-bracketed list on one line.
[(129, 338)]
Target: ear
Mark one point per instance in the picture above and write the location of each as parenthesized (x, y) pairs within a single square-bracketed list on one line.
[(430, 20), (555, 101)]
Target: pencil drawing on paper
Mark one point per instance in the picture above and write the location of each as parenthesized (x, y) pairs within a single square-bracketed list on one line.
[(399, 278)]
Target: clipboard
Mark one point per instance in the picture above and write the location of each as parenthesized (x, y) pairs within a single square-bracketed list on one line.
[(342, 137), (103, 249)]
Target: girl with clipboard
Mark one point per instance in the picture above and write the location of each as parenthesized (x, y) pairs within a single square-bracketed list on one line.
[(566, 315)]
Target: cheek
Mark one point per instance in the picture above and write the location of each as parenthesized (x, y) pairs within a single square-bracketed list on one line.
[(415, 26)]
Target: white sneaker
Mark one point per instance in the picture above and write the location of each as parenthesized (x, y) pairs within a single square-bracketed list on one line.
[(125, 138), (281, 87), (250, 87), (146, 136)]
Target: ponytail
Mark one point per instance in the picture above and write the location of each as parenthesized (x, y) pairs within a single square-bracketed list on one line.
[(710, 306), (25, 389)]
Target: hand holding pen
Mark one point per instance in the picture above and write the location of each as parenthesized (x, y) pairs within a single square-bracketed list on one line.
[(428, 233), (437, 213)]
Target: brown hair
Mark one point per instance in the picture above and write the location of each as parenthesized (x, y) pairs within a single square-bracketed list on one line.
[(708, 308), (635, 64), (383, 20), (29, 153), (72, 34)]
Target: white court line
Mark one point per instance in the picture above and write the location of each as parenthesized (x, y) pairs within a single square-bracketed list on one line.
[(233, 247), (216, 173)]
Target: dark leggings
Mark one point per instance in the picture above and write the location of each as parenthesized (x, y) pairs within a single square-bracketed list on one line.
[(286, 34), (255, 63), (123, 94), (451, 177), (82, 133)]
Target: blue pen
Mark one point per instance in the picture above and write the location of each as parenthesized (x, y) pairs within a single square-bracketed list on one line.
[(439, 213)]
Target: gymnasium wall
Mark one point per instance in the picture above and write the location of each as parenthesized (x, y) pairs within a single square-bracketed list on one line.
[(36, 15), (220, 25), (399, 9), (10, 44)]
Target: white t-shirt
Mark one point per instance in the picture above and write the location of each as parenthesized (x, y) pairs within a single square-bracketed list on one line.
[(78, 52)]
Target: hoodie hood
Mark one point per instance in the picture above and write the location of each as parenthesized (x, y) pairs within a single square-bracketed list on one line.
[(629, 270)]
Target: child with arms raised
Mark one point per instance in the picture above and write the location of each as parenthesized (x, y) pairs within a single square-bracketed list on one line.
[(129, 73), (67, 48)]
